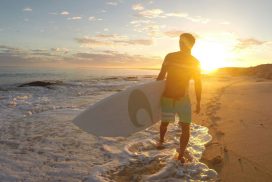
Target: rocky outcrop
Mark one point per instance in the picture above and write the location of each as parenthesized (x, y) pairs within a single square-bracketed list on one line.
[(41, 84), (260, 71)]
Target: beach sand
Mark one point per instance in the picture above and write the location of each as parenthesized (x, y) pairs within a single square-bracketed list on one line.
[(237, 111)]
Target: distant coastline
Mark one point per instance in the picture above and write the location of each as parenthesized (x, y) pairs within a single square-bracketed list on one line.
[(261, 71)]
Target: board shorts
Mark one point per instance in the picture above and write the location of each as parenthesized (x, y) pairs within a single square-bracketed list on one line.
[(170, 107)]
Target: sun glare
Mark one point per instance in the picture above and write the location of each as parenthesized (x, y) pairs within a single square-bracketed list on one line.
[(212, 55)]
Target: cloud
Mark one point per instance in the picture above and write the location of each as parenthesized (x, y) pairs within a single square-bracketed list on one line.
[(137, 7), (113, 58), (18, 56), (92, 42), (106, 36), (64, 13), (246, 43), (113, 2), (153, 29), (10, 56), (147, 26), (101, 40), (11, 50), (60, 50), (135, 42), (75, 18), (159, 13), (173, 33), (93, 18), (199, 19), (151, 13), (27, 9), (40, 52), (138, 23), (176, 14)]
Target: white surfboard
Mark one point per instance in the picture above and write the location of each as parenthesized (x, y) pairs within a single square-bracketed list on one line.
[(124, 113)]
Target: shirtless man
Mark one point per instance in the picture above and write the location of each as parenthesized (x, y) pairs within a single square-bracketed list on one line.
[(179, 68)]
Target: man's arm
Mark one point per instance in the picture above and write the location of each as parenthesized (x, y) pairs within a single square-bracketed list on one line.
[(163, 71), (198, 88)]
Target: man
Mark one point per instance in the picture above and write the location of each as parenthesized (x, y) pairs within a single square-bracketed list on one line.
[(179, 68)]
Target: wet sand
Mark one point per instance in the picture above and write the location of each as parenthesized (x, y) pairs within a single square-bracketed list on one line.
[(237, 111)]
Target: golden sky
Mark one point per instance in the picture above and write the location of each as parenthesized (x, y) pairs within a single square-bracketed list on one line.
[(136, 33)]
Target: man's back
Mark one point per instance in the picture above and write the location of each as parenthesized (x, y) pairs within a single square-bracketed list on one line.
[(180, 67)]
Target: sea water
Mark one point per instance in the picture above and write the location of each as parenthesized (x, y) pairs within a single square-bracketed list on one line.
[(38, 141)]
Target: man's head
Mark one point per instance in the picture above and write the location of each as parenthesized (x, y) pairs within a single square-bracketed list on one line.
[(186, 41)]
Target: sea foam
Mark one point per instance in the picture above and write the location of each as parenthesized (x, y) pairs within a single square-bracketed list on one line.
[(137, 158)]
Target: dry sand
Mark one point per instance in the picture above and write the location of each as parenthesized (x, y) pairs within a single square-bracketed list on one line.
[(237, 111)]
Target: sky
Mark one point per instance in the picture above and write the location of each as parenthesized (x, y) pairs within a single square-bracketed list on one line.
[(133, 33)]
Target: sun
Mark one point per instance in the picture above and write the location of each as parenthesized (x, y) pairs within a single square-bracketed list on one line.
[(212, 55)]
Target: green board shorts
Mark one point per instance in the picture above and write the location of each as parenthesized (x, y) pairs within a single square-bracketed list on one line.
[(170, 107)]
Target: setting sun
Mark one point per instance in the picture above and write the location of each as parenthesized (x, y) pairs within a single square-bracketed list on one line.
[(212, 55)]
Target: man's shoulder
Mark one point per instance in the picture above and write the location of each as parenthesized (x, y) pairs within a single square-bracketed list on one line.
[(170, 54), (174, 56), (173, 53), (195, 60)]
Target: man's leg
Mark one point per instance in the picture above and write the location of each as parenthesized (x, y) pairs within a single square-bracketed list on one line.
[(163, 130), (167, 115), (184, 139)]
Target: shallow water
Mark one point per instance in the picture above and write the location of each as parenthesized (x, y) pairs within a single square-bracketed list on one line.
[(38, 141)]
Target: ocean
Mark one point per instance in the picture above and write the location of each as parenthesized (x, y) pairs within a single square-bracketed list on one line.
[(38, 141)]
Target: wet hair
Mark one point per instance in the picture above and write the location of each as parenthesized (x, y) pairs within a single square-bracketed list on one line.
[(187, 40)]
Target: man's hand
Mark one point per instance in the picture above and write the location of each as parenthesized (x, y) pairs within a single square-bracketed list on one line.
[(197, 111)]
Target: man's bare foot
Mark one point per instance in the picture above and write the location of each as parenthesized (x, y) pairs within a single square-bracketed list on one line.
[(160, 145), (185, 158), (181, 159)]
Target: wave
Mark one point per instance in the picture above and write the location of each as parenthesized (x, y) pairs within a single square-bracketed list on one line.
[(139, 160)]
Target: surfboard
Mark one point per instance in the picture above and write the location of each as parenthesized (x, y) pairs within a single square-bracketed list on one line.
[(123, 113)]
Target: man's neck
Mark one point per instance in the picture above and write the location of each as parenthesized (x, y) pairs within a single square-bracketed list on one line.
[(186, 51)]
